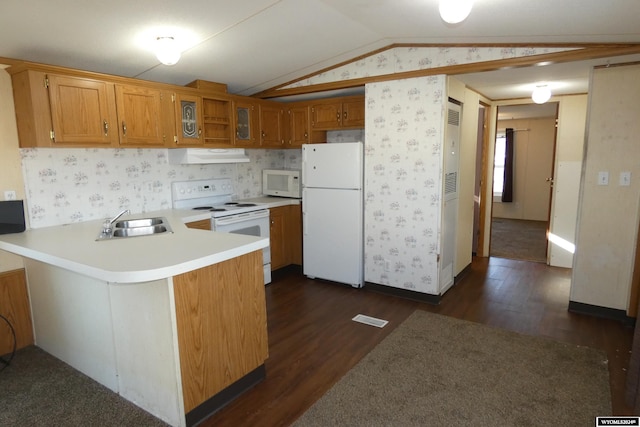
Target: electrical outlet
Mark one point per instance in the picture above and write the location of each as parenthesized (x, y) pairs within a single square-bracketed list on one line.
[(625, 178), (9, 195), (387, 265), (603, 178)]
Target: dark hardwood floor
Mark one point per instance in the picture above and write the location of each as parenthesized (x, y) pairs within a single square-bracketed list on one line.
[(313, 342)]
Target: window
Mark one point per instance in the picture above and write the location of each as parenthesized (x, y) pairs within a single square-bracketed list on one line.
[(498, 166)]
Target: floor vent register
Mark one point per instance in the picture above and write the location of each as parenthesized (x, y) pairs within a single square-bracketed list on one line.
[(372, 321)]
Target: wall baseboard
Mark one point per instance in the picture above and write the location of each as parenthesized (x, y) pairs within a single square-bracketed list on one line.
[(603, 312), (403, 293)]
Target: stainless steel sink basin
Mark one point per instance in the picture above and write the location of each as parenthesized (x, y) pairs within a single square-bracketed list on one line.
[(135, 228), (139, 231), (145, 222)]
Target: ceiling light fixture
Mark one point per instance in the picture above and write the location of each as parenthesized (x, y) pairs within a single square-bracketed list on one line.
[(541, 94), (455, 11), (167, 50)]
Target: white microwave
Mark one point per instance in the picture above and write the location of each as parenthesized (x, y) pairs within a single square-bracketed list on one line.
[(282, 183)]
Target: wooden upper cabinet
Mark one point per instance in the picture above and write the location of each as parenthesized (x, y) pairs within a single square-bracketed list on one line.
[(326, 116), (353, 113), (82, 111), (245, 123), (299, 126), (33, 112), (217, 120), (143, 119), (56, 110), (339, 113), (188, 110), (271, 124)]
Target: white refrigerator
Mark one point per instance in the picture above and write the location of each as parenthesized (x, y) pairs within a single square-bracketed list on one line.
[(332, 212)]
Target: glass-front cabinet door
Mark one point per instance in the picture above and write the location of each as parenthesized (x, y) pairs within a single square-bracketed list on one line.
[(245, 123), (189, 119)]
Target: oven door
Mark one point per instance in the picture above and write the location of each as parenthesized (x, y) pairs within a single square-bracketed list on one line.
[(254, 223)]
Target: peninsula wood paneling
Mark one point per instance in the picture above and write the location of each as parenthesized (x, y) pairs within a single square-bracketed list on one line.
[(222, 325), (14, 305)]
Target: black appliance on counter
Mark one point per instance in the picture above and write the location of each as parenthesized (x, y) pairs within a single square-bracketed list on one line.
[(11, 216)]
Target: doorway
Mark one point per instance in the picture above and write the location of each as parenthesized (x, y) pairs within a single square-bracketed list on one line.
[(519, 225)]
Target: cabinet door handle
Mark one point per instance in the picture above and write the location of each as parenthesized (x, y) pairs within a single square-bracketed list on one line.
[(105, 125), (338, 116), (344, 115), (124, 128)]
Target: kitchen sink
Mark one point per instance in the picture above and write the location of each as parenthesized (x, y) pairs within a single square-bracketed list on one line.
[(139, 231), (145, 222), (135, 228)]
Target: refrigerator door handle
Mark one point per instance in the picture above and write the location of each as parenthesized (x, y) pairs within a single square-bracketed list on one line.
[(305, 223)]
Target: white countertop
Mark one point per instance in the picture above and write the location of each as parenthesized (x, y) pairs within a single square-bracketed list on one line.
[(133, 259), (273, 201)]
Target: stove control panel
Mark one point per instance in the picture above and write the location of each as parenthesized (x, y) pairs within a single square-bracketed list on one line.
[(182, 190)]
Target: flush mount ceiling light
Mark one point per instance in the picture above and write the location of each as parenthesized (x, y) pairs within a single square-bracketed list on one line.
[(455, 11), (541, 94), (167, 50)]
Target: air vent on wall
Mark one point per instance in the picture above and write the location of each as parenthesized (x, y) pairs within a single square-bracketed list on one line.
[(451, 183), (453, 118)]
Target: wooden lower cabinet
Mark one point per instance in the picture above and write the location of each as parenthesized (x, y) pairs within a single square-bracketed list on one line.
[(222, 327), (204, 224), (286, 236), (14, 306), (295, 234)]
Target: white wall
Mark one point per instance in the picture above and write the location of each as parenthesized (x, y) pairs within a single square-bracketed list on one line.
[(10, 172), (404, 125), (608, 214)]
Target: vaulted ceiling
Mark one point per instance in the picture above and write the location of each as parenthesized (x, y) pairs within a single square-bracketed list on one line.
[(255, 45)]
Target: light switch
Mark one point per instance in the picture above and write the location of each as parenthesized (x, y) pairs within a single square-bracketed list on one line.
[(603, 178), (625, 178)]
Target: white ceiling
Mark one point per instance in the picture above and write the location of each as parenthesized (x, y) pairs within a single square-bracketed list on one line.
[(254, 45)]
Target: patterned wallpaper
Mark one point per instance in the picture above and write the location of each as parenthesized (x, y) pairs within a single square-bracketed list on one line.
[(403, 59), (65, 185), (404, 130)]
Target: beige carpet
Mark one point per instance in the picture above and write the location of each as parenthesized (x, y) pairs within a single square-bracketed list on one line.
[(38, 390), (435, 370), (519, 239)]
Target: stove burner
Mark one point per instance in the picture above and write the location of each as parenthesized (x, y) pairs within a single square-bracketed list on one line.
[(202, 208), (245, 205), (231, 203), (217, 209)]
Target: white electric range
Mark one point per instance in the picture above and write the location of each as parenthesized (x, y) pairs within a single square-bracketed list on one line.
[(216, 196)]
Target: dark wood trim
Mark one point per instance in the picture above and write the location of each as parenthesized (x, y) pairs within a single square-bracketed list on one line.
[(583, 52), (603, 312), (482, 227), (220, 400), (462, 273), (404, 293)]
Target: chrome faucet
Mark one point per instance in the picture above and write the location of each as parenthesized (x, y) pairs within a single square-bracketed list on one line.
[(106, 226)]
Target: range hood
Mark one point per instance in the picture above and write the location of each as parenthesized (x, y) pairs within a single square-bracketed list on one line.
[(190, 156)]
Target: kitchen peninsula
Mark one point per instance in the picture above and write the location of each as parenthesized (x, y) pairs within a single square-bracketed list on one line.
[(174, 322)]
